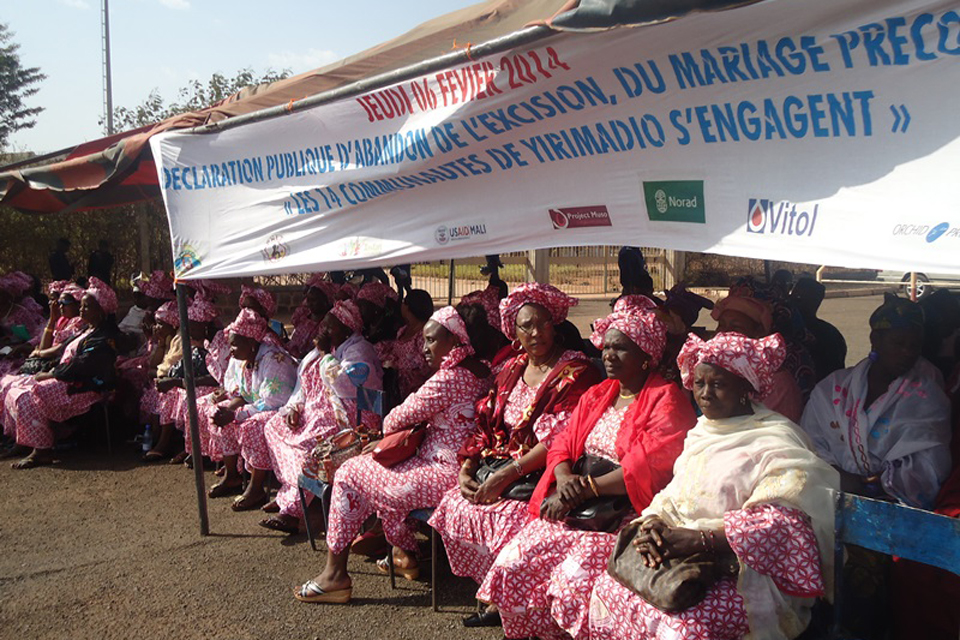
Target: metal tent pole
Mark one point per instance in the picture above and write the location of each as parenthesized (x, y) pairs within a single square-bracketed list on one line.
[(191, 389)]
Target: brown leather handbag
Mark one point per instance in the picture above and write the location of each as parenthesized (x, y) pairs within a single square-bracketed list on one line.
[(678, 583)]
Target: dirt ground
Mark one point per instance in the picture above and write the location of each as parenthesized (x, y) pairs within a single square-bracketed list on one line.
[(102, 547)]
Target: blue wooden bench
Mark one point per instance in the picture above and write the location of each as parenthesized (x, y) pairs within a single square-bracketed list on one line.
[(895, 530)]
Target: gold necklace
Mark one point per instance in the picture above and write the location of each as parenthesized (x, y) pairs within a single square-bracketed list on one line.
[(628, 396)]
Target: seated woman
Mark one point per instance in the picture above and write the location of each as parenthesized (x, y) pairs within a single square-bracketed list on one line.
[(542, 580), (753, 318), (86, 369), (363, 486), (405, 354), (168, 350), (20, 320), (746, 484), (323, 403), (318, 299), (533, 398), (258, 380), (885, 423), (378, 306)]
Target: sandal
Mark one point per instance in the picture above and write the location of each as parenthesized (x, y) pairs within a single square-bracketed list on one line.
[(220, 490), (31, 462), (271, 507), (410, 573), (154, 456), (245, 503), (310, 591), (180, 458), (276, 523)]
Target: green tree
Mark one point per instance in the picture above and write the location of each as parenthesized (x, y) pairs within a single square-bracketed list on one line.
[(17, 83), (194, 96)]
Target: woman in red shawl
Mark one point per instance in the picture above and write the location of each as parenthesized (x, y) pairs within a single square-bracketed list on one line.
[(535, 393), (542, 580)]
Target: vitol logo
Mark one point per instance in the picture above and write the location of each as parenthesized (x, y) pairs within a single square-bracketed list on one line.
[(780, 218)]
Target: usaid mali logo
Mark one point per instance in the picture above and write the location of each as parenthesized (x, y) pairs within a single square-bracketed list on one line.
[(783, 218)]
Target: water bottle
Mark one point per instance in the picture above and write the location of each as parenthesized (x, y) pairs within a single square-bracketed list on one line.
[(146, 443)]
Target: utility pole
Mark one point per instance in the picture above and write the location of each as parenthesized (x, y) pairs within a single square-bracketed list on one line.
[(107, 81)]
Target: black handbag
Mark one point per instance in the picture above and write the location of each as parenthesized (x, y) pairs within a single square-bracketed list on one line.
[(520, 489), (678, 583), (603, 513), (35, 364)]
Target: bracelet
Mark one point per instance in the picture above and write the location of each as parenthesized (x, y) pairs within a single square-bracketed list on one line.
[(48, 330), (593, 486), (519, 467), (709, 541)]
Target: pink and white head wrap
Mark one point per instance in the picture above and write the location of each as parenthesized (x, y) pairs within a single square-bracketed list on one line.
[(347, 312), (328, 288), (249, 324), (202, 310), (636, 317), (73, 290), (756, 361), (262, 296), (346, 291), (16, 283), (489, 299), (103, 294), (449, 319), (759, 311), (556, 302), (168, 313), (159, 286), (56, 287), (207, 288), (377, 293)]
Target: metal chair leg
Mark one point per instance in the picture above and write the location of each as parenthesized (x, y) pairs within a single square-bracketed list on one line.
[(306, 520), (393, 573), (433, 569), (106, 422)]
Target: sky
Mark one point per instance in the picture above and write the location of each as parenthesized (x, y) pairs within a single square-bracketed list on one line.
[(164, 44)]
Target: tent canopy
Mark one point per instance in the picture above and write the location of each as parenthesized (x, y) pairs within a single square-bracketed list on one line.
[(120, 170)]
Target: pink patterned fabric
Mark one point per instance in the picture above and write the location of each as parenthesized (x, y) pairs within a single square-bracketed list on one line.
[(556, 302), (249, 324), (56, 287), (449, 319), (363, 486), (347, 312), (377, 293), (635, 316), (16, 283), (489, 299), (346, 291), (103, 294), (159, 286), (754, 360), (263, 297), (406, 357), (169, 314), (73, 290), (202, 310), (757, 310)]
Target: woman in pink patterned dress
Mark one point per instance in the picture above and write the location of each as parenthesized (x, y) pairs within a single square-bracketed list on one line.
[(746, 484), (169, 351), (323, 403), (317, 301), (20, 319), (258, 381), (530, 405), (85, 371), (363, 486), (404, 354), (542, 580)]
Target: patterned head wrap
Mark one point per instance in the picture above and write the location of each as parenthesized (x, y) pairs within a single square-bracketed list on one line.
[(897, 313), (249, 324), (168, 313), (347, 312), (202, 310), (208, 288), (16, 283), (556, 302), (159, 286), (328, 288), (636, 317), (759, 311), (103, 294), (262, 296), (56, 287), (756, 361), (73, 290), (489, 299), (449, 319), (377, 293), (347, 291)]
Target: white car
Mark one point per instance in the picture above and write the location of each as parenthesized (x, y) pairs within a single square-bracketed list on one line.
[(923, 279)]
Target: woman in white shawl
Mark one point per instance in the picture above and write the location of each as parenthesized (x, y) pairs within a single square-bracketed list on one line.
[(747, 482), (885, 423)]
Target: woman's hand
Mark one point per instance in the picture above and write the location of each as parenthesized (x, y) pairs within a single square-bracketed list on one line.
[(165, 384), (658, 542), (55, 310), (553, 508), (43, 375), (573, 490), (293, 418), (223, 416), (468, 481), (370, 446), (489, 492)]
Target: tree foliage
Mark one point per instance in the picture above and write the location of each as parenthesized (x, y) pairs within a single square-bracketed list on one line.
[(194, 96), (17, 83)]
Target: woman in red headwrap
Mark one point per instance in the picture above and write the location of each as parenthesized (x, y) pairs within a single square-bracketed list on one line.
[(747, 491), (542, 580), (85, 371), (530, 405), (363, 486)]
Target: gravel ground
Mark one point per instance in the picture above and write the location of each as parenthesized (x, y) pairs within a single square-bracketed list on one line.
[(99, 546)]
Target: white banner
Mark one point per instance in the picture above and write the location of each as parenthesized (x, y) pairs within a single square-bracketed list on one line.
[(821, 131)]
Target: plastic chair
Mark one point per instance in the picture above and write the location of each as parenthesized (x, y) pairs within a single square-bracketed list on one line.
[(885, 527)]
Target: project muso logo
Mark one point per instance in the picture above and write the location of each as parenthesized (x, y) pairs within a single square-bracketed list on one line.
[(781, 217), (674, 201)]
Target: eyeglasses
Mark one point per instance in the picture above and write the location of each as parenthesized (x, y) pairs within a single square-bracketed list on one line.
[(530, 327)]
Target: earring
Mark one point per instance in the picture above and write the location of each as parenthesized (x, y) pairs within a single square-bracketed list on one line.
[(516, 345), (646, 365), (873, 356), (744, 400)]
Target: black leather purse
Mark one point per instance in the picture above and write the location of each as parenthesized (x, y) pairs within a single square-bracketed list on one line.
[(603, 513), (520, 489)]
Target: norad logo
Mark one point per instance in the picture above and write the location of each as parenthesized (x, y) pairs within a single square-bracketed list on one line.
[(674, 201)]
